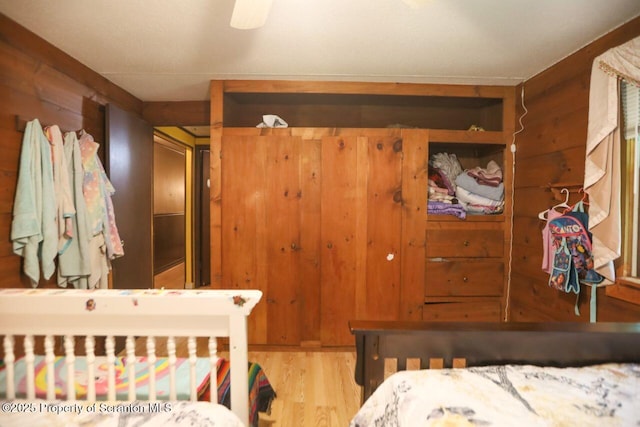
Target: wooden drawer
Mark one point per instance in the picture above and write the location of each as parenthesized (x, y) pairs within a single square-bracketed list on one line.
[(450, 243), (464, 278), (476, 311)]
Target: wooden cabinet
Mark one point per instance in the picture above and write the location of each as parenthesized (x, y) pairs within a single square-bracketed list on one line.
[(326, 222), (328, 216), (467, 259)]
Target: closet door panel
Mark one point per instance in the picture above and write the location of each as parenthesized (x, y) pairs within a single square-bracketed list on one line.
[(240, 202), (264, 245), (343, 232), (414, 206), (309, 250), (282, 208), (384, 216)]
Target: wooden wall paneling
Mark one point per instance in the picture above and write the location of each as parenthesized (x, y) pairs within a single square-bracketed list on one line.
[(310, 249), (530, 261), (8, 182), (553, 101), (532, 223), (525, 306), (552, 149), (282, 192), (615, 310), (563, 132), (10, 273), (6, 247), (492, 117), (340, 248), (183, 113), (541, 300), (414, 205), (28, 107), (384, 233), (559, 166)]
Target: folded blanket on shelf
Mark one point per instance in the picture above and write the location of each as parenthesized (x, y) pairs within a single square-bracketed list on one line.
[(440, 179), (444, 208), (482, 210), (471, 185), (491, 175), (468, 197)]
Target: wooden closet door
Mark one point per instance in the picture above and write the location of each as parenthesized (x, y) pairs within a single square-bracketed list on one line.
[(270, 209), (329, 224), (372, 229), (129, 164)]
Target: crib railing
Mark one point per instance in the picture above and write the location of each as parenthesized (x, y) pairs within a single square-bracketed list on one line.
[(132, 314)]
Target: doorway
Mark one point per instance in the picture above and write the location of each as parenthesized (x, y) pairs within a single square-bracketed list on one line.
[(169, 214), (194, 141), (202, 240)]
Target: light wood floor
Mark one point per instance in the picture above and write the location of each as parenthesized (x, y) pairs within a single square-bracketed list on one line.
[(314, 388)]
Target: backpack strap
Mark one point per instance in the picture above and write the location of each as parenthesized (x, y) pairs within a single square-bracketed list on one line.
[(578, 207)]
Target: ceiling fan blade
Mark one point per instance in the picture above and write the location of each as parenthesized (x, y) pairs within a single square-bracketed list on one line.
[(250, 14)]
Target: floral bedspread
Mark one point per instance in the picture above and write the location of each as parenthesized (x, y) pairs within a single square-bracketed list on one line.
[(599, 395)]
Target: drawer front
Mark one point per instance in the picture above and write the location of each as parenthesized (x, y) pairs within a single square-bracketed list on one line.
[(477, 311), (465, 243), (464, 278)]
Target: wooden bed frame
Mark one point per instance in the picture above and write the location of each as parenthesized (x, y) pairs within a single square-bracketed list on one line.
[(384, 347), (127, 313)]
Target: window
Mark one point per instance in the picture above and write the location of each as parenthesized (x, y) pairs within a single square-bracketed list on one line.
[(627, 285)]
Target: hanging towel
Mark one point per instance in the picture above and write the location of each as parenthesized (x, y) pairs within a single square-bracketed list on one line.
[(65, 207), (98, 191), (33, 226), (74, 264)]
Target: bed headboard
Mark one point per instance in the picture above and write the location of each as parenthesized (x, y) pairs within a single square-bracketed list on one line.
[(385, 346), (131, 313)]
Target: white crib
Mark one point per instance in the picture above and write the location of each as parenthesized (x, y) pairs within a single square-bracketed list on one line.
[(132, 314)]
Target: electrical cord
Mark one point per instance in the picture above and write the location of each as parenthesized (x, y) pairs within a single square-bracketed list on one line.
[(513, 189)]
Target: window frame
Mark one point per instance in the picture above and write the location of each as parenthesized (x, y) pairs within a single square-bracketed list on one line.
[(627, 284)]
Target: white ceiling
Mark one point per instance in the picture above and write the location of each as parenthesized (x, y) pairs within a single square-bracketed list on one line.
[(169, 50)]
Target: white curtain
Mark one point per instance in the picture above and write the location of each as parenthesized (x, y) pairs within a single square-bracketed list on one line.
[(602, 164)]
